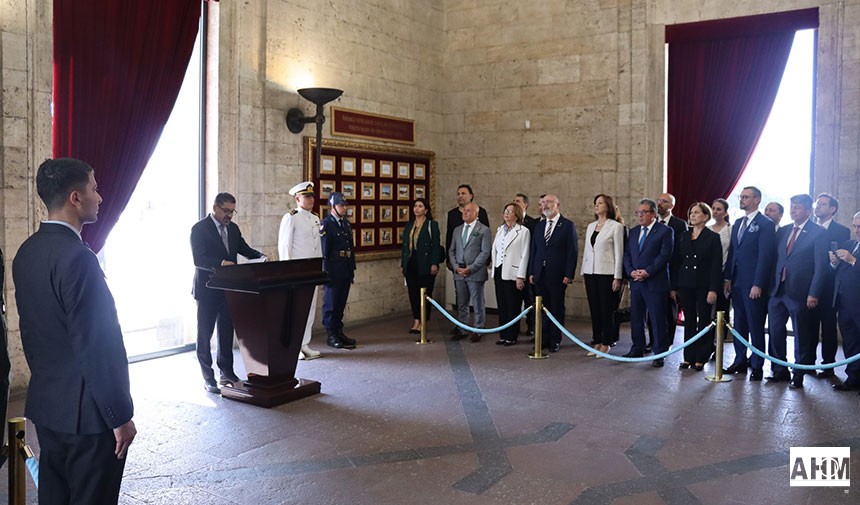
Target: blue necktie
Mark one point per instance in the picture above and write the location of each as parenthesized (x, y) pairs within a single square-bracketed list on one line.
[(466, 234), (742, 229), (642, 237)]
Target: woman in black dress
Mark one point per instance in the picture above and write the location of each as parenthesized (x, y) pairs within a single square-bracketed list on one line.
[(696, 282)]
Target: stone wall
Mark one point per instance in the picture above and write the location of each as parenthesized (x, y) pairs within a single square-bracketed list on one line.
[(587, 75)]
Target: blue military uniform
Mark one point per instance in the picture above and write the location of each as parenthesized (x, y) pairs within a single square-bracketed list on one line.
[(338, 253)]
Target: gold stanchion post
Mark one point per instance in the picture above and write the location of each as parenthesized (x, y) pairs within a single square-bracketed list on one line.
[(423, 339), (538, 354), (721, 333), (17, 463)]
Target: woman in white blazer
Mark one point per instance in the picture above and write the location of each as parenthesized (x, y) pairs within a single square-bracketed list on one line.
[(510, 259), (602, 267)]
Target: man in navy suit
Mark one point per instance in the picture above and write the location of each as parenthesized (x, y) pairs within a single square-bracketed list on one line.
[(844, 262), (665, 204), (747, 278), (216, 241), (79, 397), (824, 316), (646, 262), (552, 261), (798, 283)]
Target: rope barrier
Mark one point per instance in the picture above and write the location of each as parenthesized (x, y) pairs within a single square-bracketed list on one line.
[(622, 358), (478, 330), (32, 465), (796, 366)]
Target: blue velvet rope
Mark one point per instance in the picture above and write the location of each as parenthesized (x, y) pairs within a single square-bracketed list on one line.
[(478, 330), (33, 467), (622, 358), (796, 366)]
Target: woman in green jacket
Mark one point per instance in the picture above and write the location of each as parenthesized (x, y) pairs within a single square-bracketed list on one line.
[(420, 257)]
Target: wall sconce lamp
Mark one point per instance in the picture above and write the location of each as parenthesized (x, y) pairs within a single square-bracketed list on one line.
[(296, 119)]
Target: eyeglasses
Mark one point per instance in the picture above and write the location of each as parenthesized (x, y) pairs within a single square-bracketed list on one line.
[(507, 212), (643, 212), (229, 212)]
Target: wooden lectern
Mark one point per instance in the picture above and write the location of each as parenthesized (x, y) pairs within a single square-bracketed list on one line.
[(269, 303)]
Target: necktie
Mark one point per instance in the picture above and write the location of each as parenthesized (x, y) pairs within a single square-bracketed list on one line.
[(548, 231), (788, 249), (792, 239), (742, 229), (224, 237), (466, 234), (642, 237)]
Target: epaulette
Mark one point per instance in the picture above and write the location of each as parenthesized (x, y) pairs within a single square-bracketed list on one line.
[(294, 212)]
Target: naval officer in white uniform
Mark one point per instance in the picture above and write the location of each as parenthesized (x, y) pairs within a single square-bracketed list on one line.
[(299, 238)]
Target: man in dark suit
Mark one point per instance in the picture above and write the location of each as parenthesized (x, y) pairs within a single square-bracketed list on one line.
[(646, 262), (824, 316), (747, 278), (79, 397), (216, 241), (339, 261), (552, 261), (527, 293), (665, 204), (844, 262), (774, 211), (467, 257), (798, 283)]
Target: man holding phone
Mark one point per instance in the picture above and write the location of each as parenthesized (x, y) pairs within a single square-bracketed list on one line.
[(823, 317), (844, 262)]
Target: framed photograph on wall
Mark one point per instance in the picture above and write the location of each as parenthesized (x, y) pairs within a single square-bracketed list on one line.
[(420, 171), (348, 189), (326, 189), (327, 164), (386, 169), (386, 191), (368, 237), (386, 214), (403, 191), (385, 237), (368, 168), (368, 214), (420, 191), (347, 166), (402, 170), (399, 235), (368, 191), (325, 210), (350, 216), (402, 213)]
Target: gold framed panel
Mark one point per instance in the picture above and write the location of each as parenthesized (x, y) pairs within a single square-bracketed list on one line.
[(395, 182)]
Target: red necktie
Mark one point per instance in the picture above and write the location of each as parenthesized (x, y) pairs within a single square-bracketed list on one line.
[(788, 249)]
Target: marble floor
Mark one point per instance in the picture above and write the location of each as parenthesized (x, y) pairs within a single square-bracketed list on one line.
[(476, 423)]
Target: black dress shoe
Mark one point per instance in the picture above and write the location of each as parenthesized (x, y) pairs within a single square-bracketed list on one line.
[(333, 341), (509, 343), (554, 347), (823, 374), (415, 332), (455, 330), (501, 341), (210, 386), (684, 365), (658, 363), (756, 374), (632, 354), (736, 369), (228, 377), (593, 343), (796, 382), (845, 386), (778, 377), (458, 336), (350, 341), (698, 368), (530, 333)]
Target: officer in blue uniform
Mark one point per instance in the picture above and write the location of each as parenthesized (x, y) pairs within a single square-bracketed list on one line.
[(338, 253)]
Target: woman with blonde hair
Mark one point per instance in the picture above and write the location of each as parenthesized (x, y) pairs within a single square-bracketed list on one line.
[(510, 259)]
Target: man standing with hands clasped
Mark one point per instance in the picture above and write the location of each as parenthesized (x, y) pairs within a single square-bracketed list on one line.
[(299, 238), (78, 397), (468, 253)]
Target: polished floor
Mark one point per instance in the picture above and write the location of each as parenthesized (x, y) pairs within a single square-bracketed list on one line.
[(475, 423)]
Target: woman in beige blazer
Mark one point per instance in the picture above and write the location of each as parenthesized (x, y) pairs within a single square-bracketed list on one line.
[(602, 267), (510, 258)]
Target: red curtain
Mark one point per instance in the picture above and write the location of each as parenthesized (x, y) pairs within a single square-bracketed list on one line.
[(723, 79), (118, 67)]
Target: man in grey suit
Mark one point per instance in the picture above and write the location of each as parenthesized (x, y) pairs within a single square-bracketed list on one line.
[(468, 252), (78, 397)]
